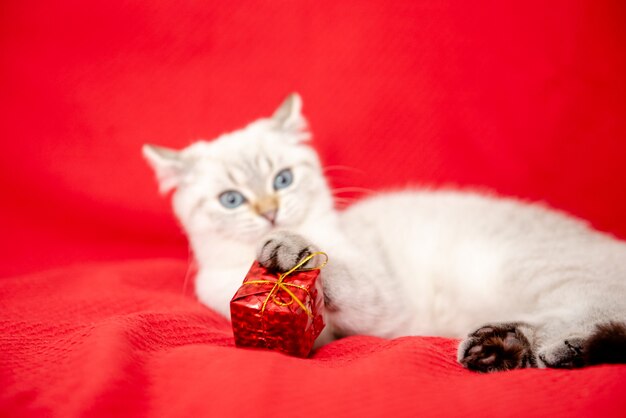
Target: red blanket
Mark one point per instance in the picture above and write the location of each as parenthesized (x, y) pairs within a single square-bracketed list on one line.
[(97, 314)]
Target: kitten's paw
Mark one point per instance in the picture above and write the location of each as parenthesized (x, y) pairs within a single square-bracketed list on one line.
[(566, 354), (495, 348), (282, 250)]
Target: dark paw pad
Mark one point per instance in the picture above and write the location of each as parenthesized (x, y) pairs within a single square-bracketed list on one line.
[(496, 348)]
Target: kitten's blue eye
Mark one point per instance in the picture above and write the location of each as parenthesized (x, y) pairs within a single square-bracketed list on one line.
[(231, 199), (283, 179)]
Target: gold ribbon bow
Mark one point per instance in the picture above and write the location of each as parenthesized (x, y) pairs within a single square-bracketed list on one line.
[(281, 285)]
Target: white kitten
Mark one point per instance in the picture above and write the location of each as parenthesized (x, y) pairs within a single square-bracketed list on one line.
[(552, 290)]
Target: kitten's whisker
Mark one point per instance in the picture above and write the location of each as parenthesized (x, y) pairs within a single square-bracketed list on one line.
[(192, 268), (343, 202), (352, 189), (345, 199)]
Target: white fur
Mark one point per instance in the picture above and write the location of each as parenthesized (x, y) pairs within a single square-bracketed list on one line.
[(414, 262)]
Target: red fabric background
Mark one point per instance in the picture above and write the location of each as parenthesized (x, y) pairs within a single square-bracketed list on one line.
[(528, 99)]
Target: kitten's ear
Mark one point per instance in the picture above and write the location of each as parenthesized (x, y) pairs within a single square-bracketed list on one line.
[(288, 116), (167, 165)]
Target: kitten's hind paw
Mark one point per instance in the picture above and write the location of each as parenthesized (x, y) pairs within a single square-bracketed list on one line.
[(496, 348), (566, 354), (282, 250)]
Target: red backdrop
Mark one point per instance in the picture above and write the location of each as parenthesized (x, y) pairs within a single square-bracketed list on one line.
[(526, 98)]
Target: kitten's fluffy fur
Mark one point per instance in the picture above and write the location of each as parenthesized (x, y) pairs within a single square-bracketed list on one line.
[(407, 263)]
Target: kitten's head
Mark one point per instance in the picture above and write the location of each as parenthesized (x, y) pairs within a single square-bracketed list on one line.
[(242, 184)]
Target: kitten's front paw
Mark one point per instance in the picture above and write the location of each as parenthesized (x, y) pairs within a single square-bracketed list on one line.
[(282, 250)]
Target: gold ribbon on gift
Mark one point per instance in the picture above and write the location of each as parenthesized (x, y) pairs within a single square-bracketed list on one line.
[(280, 284)]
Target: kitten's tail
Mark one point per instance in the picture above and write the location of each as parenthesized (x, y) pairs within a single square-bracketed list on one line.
[(607, 344)]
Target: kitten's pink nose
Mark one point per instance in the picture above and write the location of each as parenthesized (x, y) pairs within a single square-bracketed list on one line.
[(270, 215)]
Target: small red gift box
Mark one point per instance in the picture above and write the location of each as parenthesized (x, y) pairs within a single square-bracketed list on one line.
[(281, 312)]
